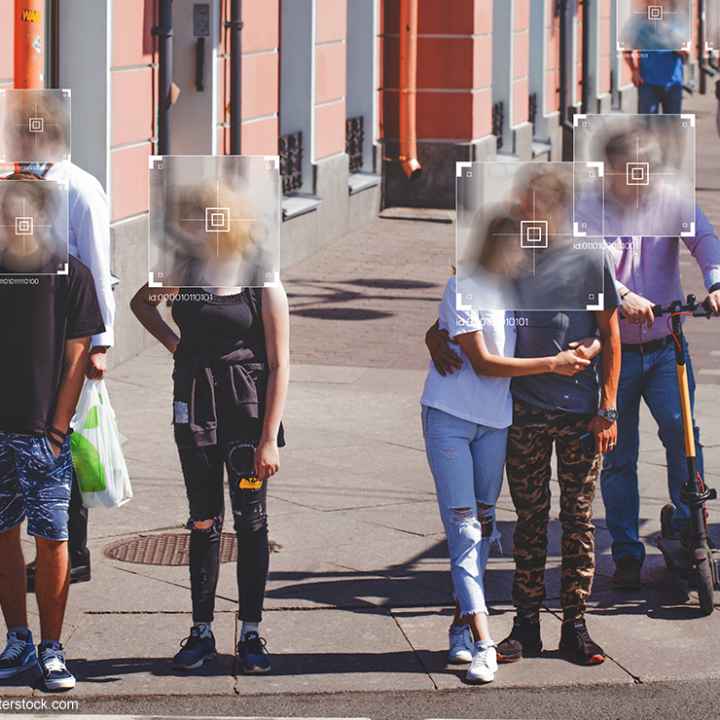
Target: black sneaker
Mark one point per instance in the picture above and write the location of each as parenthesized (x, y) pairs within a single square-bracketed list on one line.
[(523, 641), (195, 650), (55, 675), (627, 574), (253, 655), (79, 571), (577, 646)]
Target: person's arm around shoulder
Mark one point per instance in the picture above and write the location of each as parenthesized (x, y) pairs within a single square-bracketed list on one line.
[(437, 342), (276, 323), (604, 424), (144, 306)]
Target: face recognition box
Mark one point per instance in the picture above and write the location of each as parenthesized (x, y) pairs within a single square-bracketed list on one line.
[(214, 221), (34, 126)]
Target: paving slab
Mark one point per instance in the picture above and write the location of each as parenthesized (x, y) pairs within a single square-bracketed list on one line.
[(658, 642), (426, 629)]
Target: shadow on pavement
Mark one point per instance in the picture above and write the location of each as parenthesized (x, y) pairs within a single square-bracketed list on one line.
[(412, 584), (113, 669)]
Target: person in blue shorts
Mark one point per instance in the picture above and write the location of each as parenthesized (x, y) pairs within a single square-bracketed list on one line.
[(46, 323)]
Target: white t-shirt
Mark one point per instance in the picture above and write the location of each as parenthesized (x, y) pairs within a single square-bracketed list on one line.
[(464, 393), (89, 236)]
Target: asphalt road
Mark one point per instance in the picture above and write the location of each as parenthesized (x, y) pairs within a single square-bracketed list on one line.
[(655, 701)]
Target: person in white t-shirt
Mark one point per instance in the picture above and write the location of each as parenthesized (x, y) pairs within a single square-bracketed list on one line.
[(89, 242), (465, 418)]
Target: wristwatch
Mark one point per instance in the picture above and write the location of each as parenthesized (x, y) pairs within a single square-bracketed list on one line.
[(611, 414)]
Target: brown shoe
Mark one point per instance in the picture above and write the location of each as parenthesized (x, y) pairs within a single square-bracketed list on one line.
[(627, 574)]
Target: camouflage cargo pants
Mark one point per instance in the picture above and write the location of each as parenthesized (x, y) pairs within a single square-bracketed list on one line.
[(529, 453)]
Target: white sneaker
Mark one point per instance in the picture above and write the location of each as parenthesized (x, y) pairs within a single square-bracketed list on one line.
[(461, 645), (484, 665)]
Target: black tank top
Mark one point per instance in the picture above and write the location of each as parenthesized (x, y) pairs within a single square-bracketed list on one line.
[(212, 326)]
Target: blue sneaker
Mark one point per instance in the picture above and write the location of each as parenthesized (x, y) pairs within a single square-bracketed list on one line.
[(253, 654), (55, 674), (18, 656), (196, 649)]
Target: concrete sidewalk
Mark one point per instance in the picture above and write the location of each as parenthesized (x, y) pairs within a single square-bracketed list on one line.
[(359, 590)]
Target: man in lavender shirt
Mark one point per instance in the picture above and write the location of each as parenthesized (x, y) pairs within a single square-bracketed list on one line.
[(648, 273)]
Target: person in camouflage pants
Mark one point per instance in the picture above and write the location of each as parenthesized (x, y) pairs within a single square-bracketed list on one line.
[(577, 418), (529, 454)]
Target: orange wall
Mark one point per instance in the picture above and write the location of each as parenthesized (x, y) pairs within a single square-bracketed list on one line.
[(260, 78), (330, 77), (603, 80), (552, 66), (454, 70), (521, 59), (6, 43), (132, 80)]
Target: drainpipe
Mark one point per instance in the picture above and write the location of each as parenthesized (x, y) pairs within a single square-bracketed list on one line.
[(586, 19), (408, 88), (164, 32), (54, 30), (235, 25), (566, 63), (703, 71), (29, 55)]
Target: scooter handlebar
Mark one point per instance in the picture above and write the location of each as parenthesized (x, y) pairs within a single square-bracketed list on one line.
[(692, 306)]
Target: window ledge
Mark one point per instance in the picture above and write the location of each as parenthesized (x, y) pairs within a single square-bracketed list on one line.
[(506, 157), (296, 205), (540, 148), (359, 181)]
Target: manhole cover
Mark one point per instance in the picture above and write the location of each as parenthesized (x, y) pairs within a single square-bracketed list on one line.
[(165, 549)]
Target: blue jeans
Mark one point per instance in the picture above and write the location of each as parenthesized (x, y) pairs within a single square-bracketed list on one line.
[(651, 377), (651, 97), (467, 462)]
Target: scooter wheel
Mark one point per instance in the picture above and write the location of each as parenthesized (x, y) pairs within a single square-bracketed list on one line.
[(706, 584)]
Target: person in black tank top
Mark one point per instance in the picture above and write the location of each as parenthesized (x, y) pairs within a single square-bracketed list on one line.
[(230, 379)]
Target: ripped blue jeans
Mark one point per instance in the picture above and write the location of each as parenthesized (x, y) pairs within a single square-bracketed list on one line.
[(467, 462)]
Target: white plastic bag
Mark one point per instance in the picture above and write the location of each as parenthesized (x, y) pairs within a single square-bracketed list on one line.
[(98, 459)]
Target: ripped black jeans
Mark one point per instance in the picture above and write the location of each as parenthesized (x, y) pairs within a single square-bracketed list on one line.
[(203, 469)]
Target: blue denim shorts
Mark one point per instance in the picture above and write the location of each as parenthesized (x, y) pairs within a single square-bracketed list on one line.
[(34, 484)]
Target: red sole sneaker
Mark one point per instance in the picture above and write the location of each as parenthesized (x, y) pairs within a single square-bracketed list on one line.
[(507, 659)]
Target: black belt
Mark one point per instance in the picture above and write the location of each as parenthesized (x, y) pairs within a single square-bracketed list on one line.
[(648, 347)]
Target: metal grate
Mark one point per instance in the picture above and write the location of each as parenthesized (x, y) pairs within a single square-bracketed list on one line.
[(165, 549), (291, 161), (354, 142), (498, 122)]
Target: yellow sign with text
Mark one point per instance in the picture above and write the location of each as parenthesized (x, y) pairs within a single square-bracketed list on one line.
[(30, 16)]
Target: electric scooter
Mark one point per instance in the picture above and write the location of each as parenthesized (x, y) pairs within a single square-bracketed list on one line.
[(689, 557)]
